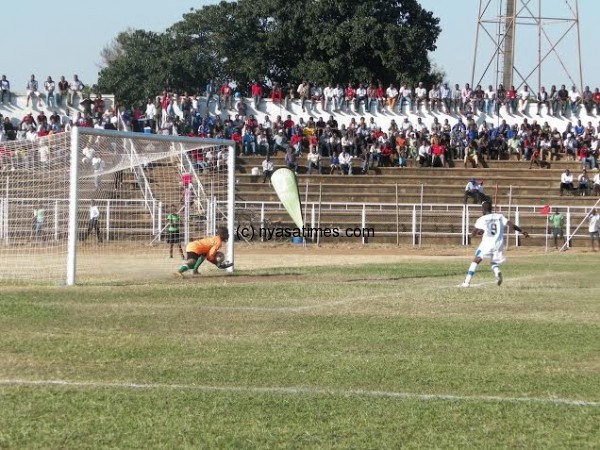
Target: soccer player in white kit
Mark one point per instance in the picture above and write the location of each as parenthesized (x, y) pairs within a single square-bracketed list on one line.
[(490, 226)]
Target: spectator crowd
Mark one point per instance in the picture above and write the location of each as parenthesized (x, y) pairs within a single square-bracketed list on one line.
[(461, 136)]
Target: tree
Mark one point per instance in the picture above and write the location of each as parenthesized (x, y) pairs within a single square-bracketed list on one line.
[(277, 41)]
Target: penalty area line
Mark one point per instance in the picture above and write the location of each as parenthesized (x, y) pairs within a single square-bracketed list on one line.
[(301, 391)]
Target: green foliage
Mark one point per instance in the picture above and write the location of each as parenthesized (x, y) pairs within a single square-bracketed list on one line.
[(276, 41)]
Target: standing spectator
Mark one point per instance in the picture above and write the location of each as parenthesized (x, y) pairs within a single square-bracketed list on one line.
[(63, 91), (511, 99), (392, 97), (257, 93), (211, 90), (594, 227), (446, 96), (98, 166), (226, 92), (490, 100), (150, 114), (33, 91), (291, 160), (49, 86), (4, 89), (557, 223), (94, 224), (563, 99), (173, 231), (39, 215), (75, 88), (98, 106)]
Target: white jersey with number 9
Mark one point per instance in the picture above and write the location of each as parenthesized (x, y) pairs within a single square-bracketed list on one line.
[(492, 241)]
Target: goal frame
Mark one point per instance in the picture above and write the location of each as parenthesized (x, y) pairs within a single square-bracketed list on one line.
[(76, 134)]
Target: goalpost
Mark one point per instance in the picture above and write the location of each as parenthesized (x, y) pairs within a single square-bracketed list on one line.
[(92, 205)]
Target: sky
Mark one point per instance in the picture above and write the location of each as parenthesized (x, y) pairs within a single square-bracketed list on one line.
[(67, 40)]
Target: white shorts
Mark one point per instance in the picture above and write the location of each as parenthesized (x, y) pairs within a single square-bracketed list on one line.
[(491, 251)]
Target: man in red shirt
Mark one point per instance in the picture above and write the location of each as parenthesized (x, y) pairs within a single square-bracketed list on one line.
[(350, 94), (276, 95), (226, 93), (257, 93)]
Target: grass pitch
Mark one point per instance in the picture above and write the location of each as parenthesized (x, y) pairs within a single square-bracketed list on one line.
[(365, 351)]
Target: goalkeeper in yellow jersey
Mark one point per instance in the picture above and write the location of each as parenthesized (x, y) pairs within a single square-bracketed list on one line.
[(206, 248)]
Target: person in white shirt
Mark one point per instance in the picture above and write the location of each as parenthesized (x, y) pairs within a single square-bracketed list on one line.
[(328, 93), (465, 96), (33, 91), (75, 89), (524, 99), (98, 166), (49, 86), (94, 224), (267, 167), (424, 153), (346, 162), (392, 97), (406, 96), (313, 160), (566, 182), (151, 114), (490, 101), (490, 226), (594, 227), (575, 100), (596, 181), (434, 98), (420, 97), (338, 97)]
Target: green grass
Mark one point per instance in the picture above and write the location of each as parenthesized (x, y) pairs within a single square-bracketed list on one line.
[(315, 357)]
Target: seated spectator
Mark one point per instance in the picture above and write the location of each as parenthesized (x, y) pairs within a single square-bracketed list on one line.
[(334, 164), (33, 91), (596, 180), (267, 167), (280, 142), (249, 142), (262, 142), (291, 160), (471, 154), (424, 154), (583, 182), (297, 143), (345, 159), (438, 151), (566, 182), (75, 88), (473, 190), (313, 160)]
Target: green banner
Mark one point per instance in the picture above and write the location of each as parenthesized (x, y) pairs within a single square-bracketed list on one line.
[(285, 184)]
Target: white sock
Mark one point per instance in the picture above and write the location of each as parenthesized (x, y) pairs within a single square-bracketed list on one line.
[(496, 269), (471, 272)]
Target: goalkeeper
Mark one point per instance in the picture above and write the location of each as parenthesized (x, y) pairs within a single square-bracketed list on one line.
[(206, 248)]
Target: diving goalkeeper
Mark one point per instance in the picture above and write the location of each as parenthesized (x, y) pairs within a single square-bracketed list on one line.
[(205, 248)]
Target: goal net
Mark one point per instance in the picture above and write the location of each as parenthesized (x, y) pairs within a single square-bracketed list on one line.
[(107, 206)]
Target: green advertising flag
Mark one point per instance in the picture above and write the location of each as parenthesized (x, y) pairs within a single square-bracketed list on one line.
[(285, 184)]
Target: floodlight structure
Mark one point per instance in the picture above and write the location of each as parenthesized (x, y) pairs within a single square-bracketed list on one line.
[(503, 21)]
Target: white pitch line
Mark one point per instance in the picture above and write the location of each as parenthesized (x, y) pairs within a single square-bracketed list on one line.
[(304, 390)]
